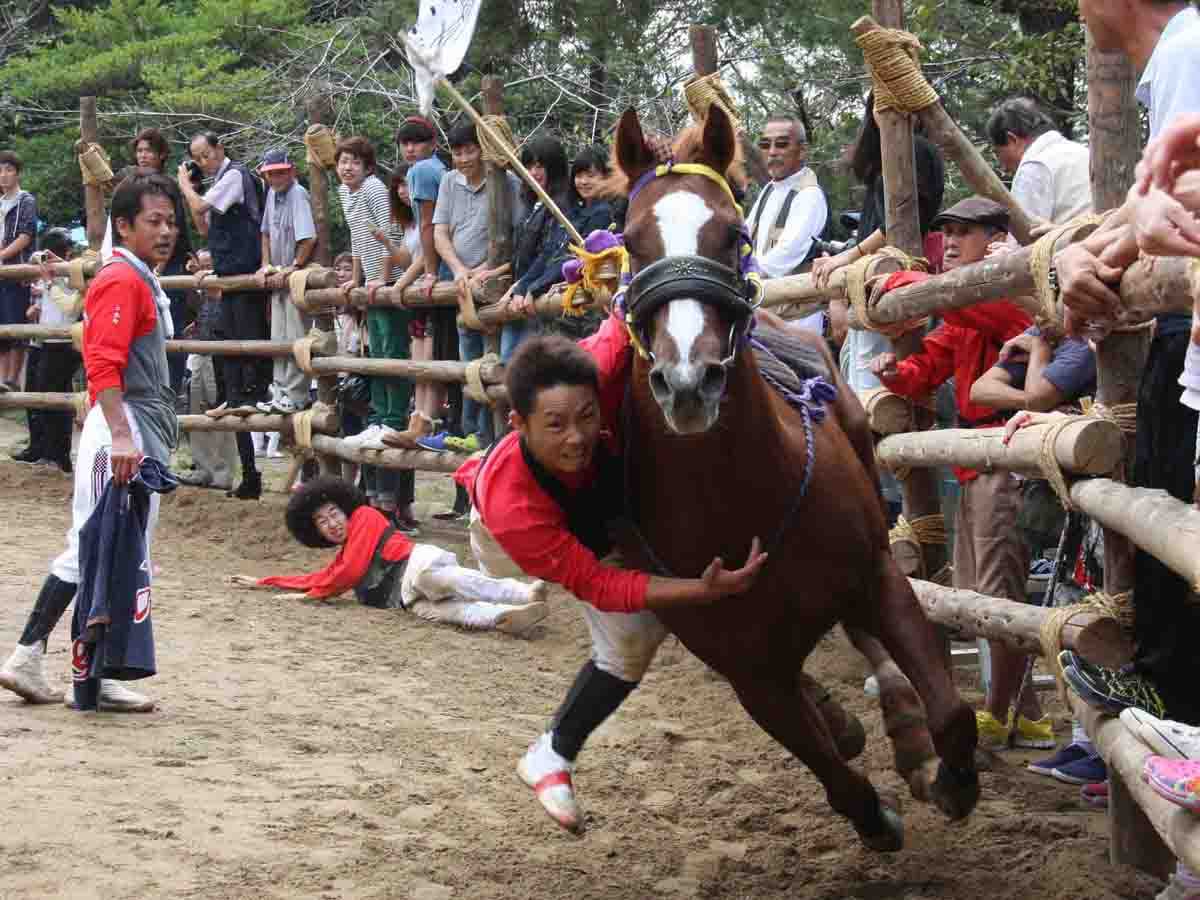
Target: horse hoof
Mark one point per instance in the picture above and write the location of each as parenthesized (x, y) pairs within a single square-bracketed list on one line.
[(922, 778), (853, 739), (955, 791), (890, 837)]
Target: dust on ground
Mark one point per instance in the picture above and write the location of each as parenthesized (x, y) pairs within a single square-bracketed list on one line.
[(334, 751)]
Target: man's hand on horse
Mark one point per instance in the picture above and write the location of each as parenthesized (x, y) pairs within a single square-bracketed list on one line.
[(721, 582), (884, 365)]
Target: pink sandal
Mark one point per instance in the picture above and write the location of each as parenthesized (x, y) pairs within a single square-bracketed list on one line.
[(1178, 780)]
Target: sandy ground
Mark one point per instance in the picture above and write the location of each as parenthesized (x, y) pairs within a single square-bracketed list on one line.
[(333, 751)]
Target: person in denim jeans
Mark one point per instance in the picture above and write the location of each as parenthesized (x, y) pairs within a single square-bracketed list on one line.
[(460, 222)]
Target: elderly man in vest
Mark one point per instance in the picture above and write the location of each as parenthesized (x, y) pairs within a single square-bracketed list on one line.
[(790, 212), (1051, 180)]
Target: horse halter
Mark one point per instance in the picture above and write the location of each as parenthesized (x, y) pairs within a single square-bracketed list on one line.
[(737, 292)]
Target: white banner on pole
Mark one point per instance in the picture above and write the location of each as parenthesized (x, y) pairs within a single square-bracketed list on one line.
[(438, 43)]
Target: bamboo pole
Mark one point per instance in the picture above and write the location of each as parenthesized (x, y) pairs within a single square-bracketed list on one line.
[(317, 278), (1164, 527), (38, 400), (1083, 447), (324, 422), (446, 371), (942, 130), (93, 195), (422, 460), (969, 615), (1126, 756)]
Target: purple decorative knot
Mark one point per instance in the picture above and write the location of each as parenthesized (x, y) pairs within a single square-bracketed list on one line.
[(596, 242)]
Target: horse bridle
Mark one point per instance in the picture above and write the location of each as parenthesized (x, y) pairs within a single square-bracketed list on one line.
[(737, 292)]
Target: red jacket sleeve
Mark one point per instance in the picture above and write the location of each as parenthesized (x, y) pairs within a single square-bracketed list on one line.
[(365, 528), (998, 320), (118, 310), (923, 372), (614, 357)]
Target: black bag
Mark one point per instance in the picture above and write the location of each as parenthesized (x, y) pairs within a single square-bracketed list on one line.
[(1042, 516)]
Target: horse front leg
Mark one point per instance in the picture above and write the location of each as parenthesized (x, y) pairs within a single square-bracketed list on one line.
[(904, 718), (911, 639), (791, 717)]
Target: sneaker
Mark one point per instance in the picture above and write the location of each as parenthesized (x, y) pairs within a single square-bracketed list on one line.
[(435, 443), (1095, 794), (1037, 735), (28, 455), (1064, 757), (370, 438), (993, 734), (1173, 740), (405, 523), (1108, 690), (283, 405), (1088, 770), (1178, 780), (268, 405), (469, 444), (549, 775)]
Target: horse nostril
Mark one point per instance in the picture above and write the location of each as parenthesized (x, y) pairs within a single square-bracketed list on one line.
[(714, 379), (658, 383)]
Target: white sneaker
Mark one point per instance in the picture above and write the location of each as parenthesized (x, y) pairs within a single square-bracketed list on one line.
[(268, 405), (549, 775), (370, 438), (871, 686), (519, 619), (283, 404), (115, 697), (1174, 740), (24, 673)]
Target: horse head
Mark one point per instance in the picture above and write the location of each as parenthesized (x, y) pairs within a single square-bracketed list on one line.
[(689, 302)]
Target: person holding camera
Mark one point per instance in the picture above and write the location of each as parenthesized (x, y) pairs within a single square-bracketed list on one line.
[(230, 214)]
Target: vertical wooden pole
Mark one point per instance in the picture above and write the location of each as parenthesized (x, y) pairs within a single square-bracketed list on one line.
[(320, 111), (920, 488), (1114, 137), (703, 39), (500, 223), (93, 196)]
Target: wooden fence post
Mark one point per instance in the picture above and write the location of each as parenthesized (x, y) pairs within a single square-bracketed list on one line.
[(93, 195), (500, 226), (920, 488), (703, 39), (320, 111), (1115, 138)]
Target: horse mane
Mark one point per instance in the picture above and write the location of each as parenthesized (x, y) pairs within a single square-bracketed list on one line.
[(685, 147)]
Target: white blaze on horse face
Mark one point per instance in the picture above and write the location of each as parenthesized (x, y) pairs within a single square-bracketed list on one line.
[(681, 215)]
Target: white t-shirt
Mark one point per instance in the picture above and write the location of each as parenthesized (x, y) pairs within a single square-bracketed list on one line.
[(805, 222)]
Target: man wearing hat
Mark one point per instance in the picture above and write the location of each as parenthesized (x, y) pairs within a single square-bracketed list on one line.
[(289, 237), (989, 555)]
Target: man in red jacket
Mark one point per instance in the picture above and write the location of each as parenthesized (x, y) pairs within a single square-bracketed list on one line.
[(989, 555)]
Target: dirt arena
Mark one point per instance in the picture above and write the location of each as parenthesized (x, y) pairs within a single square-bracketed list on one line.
[(327, 750)]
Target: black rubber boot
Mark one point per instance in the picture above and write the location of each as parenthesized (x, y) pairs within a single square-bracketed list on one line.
[(250, 488), (52, 601), (593, 697)]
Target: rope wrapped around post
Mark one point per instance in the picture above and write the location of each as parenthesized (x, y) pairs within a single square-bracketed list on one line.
[(1123, 414), (321, 144), (702, 91), (1041, 260), (891, 57), (302, 424), (491, 153), (94, 165), (323, 343), (929, 529), (474, 387), (859, 282)]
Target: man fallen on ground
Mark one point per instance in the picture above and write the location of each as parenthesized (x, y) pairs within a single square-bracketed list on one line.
[(387, 570)]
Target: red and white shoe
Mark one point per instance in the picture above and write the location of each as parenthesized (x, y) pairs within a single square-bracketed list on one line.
[(549, 775)]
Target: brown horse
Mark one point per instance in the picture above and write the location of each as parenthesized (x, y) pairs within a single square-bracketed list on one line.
[(717, 457)]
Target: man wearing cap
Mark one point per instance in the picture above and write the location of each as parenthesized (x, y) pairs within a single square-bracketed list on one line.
[(989, 555), (790, 213), (289, 237)]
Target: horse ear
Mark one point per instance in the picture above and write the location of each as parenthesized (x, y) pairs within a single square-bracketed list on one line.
[(720, 142), (633, 156)]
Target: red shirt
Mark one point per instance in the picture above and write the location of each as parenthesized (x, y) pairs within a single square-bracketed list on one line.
[(530, 526), (117, 310), (363, 531), (966, 345)]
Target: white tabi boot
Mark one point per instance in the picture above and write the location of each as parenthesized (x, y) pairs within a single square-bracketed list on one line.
[(24, 673), (549, 775), (115, 697), (482, 616)]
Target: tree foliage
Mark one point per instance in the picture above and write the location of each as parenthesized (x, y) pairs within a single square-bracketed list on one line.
[(246, 67)]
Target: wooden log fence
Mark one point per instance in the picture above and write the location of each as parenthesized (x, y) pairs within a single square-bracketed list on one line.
[(424, 460)]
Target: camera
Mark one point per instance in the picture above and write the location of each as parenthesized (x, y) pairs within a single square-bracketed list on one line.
[(194, 173)]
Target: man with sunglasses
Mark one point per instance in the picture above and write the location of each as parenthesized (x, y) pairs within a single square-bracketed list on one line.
[(791, 211)]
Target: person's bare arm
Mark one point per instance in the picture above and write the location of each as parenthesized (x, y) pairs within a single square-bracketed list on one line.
[(994, 389), (14, 247), (445, 249), (124, 455), (715, 583), (304, 252), (429, 251), (1041, 395)]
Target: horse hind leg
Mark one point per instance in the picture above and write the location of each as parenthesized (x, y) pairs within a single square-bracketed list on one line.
[(791, 717), (904, 717), (849, 736)]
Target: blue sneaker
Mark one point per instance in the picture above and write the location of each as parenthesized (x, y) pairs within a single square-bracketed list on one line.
[(1089, 770), (435, 442), (1064, 757)]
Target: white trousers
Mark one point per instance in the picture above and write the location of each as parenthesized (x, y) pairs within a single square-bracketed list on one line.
[(437, 588), (213, 452), (623, 644), (93, 469)]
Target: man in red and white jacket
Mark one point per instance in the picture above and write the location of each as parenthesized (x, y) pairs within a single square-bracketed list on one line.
[(127, 321), (989, 555)]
